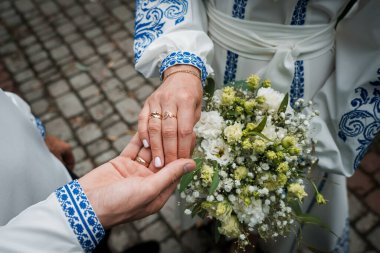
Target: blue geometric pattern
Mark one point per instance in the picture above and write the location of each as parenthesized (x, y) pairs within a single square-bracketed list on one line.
[(298, 83), (151, 18), (80, 215), (362, 123), (40, 126), (297, 87), (238, 11), (343, 243), (299, 13), (184, 58), (231, 66)]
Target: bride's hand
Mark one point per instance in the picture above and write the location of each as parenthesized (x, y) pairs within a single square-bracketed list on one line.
[(178, 100)]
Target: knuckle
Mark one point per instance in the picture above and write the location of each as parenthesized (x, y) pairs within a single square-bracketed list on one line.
[(169, 133), (154, 128), (186, 98), (185, 132)]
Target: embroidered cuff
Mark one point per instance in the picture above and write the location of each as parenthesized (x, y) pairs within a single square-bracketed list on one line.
[(80, 215), (184, 58), (40, 126)]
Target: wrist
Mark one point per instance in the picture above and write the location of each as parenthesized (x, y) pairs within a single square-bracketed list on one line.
[(183, 69)]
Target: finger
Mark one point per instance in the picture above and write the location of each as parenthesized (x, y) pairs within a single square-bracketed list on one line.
[(169, 133), (133, 147), (185, 118), (193, 141), (68, 159), (143, 125), (170, 173), (155, 138), (144, 157)]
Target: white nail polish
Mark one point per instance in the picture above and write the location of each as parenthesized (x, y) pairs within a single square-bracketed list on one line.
[(157, 162), (145, 143)]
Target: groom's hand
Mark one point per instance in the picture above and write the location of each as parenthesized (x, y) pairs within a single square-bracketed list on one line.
[(123, 190)]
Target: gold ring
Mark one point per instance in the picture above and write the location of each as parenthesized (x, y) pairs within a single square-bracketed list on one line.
[(169, 115), (155, 115), (141, 161)]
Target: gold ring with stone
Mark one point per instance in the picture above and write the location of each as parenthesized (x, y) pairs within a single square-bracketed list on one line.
[(169, 115), (141, 161), (155, 115)]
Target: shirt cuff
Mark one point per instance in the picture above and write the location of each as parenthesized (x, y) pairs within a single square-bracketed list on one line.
[(80, 215), (184, 58)]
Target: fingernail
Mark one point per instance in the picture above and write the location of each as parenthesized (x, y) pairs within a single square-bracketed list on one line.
[(157, 162), (145, 143), (188, 167)]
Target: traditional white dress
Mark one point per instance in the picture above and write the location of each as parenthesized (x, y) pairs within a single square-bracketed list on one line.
[(34, 218), (297, 45)]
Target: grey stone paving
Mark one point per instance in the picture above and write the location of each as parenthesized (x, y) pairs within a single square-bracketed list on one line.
[(73, 62)]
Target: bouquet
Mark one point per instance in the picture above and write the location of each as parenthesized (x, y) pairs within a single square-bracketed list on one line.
[(253, 156)]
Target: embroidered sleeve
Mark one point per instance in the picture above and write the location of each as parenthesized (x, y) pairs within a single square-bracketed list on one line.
[(153, 18), (40, 126), (184, 58), (359, 127), (80, 215)]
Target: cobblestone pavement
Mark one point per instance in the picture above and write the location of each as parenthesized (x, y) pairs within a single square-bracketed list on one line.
[(72, 60)]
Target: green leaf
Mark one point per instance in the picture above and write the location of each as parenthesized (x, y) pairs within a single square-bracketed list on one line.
[(295, 205), (209, 86), (284, 104), (239, 84), (261, 135), (188, 178), (185, 181), (261, 126), (314, 220), (215, 181), (199, 163)]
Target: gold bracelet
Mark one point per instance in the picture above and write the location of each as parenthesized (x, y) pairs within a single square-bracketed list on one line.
[(182, 71)]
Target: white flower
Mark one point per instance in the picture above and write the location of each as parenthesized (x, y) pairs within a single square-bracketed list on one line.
[(228, 184), (273, 98), (210, 198), (233, 133), (217, 97), (252, 214), (210, 125), (219, 197), (217, 150), (187, 211)]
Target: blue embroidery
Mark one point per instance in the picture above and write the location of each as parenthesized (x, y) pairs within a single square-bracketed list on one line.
[(362, 123), (298, 83), (297, 87), (299, 13), (40, 126), (184, 58), (238, 11), (151, 18), (80, 215), (343, 243)]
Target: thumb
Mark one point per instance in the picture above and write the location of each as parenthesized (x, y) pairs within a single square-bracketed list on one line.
[(171, 173)]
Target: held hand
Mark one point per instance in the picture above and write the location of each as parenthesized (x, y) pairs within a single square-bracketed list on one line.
[(61, 150), (167, 119), (123, 190)]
